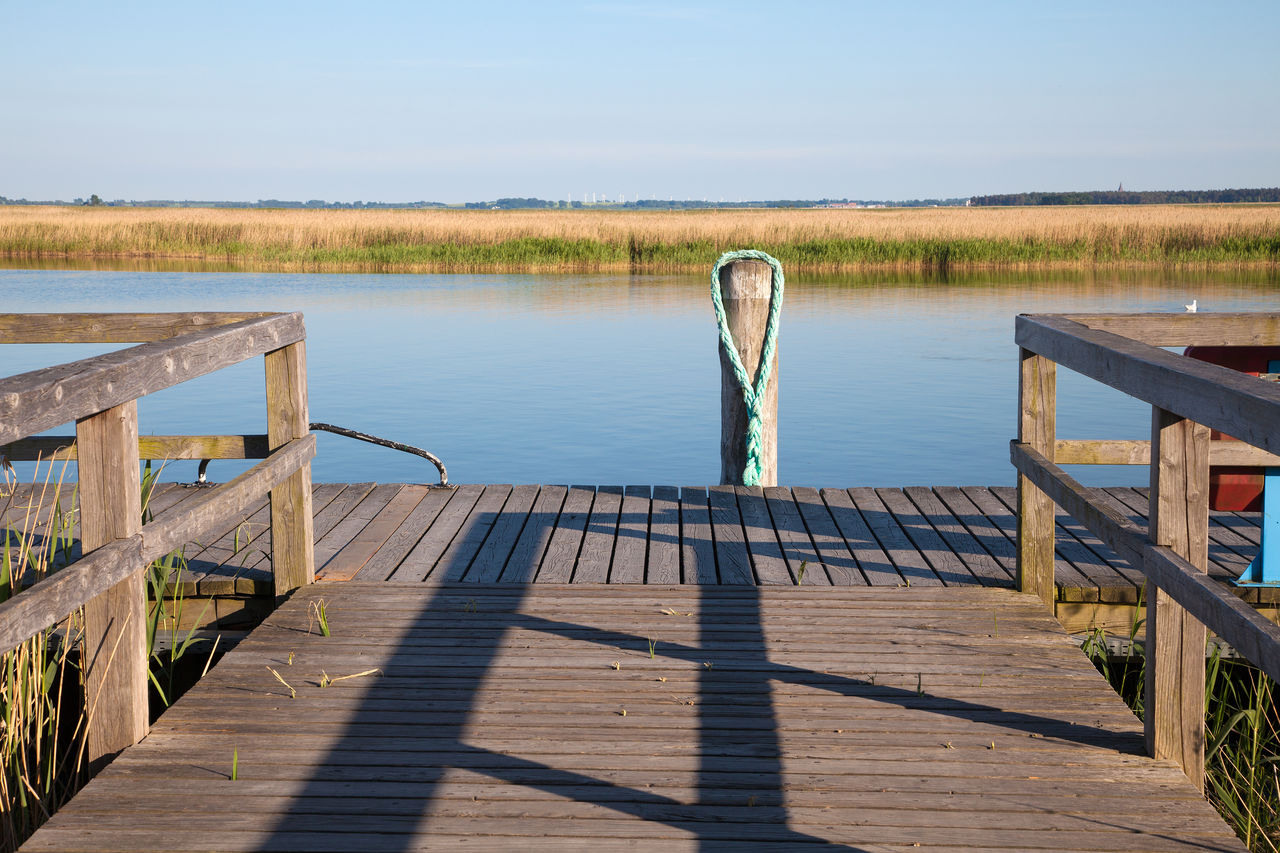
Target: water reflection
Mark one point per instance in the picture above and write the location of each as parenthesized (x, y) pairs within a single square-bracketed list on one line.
[(886, 379)]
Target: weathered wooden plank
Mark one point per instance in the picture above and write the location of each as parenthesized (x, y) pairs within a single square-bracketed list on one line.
[(1082, 573), (1215, 329), (697, 550), (115, 328), (60, 447), (471, 535), (227, 503), (526, 557), (1227, 400), (633, 537), (566, 540), (1135, 503), (42, 399), (945, 563), (353, 521), (115, 639), (508, 717), (872, 561), (1037, 426), (1220, 611), (353, 556), (732, 558), (797, 545), (292, 533), (492, 557), (746, 288), (840, 565), (971, 553), (663, 560), (1174, 695), (596, 552), (52, 599), (909, 562), (1112, 452), (761, 537)]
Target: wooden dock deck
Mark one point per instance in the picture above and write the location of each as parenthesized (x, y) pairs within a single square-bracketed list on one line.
[(645, 717), (917, 536)]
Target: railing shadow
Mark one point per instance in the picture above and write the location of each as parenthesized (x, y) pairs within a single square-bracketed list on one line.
[(720, 755)]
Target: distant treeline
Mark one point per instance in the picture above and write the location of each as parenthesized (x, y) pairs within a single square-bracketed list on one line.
[(1271, 194), (497, 204)]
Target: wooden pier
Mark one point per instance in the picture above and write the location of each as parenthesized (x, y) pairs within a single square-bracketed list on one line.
[(915, 536), (588, 717), (496, 667)]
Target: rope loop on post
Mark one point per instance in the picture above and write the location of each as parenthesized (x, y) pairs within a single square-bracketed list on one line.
[(752, 396)]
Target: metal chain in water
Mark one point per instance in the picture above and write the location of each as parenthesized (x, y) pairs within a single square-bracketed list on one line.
[(753, 397)]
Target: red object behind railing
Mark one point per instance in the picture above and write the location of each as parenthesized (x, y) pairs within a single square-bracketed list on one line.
[(1231, 488)]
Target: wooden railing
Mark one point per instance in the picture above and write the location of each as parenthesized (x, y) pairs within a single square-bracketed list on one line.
[(1188, 398), (100, 395)]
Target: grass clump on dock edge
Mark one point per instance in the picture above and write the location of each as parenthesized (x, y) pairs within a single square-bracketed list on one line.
[(1242, 737)]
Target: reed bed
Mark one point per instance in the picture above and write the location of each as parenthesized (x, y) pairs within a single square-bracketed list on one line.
[(1242, 735), (810, 240), (43, 713)]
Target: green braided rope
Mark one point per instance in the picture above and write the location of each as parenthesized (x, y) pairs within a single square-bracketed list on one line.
[(753, 397)]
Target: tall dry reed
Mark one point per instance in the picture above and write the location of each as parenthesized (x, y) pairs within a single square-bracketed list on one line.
[(530, 240)]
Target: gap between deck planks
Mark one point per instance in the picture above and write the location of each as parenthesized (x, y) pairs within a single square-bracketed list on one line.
[(590, 717)]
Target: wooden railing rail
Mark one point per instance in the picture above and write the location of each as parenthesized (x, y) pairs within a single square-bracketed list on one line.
[(1187, 398), (100, 394)]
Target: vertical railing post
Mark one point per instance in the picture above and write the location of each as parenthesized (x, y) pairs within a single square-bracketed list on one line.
[(1037, 426), (115, 641), (1174, 701), (292, 548), (746, 288)]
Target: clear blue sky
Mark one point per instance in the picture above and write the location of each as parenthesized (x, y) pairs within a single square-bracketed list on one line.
[(735, 100)]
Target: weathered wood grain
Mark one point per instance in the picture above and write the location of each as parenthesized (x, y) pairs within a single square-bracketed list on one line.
[(733, 561), (505, 533), (1037, 427), (526, 557), (697, 551), (113, 328), (60, 447), (629, 552), (596, 552), (1113, 452), (872, 561), (663, 558), (1218, 397), (115, 636), (870, 718), (746, 289), (833, 554), (1250, 328), (43, 399), (292, 533), (761, 537), (910, 564)]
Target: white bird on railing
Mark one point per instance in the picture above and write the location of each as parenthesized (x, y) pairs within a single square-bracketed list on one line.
[(1191, 309)]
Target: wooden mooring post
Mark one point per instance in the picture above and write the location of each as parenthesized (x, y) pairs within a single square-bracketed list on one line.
[(745, 288)]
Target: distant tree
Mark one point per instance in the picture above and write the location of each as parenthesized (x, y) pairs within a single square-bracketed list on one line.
[(94, 201)]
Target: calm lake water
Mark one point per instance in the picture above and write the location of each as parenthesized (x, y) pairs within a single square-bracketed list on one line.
[(615, 379)]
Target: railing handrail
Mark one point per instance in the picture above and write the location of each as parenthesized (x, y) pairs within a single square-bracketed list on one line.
[(42, 399), (1209, 394), (100, 395), (1188, 397)]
